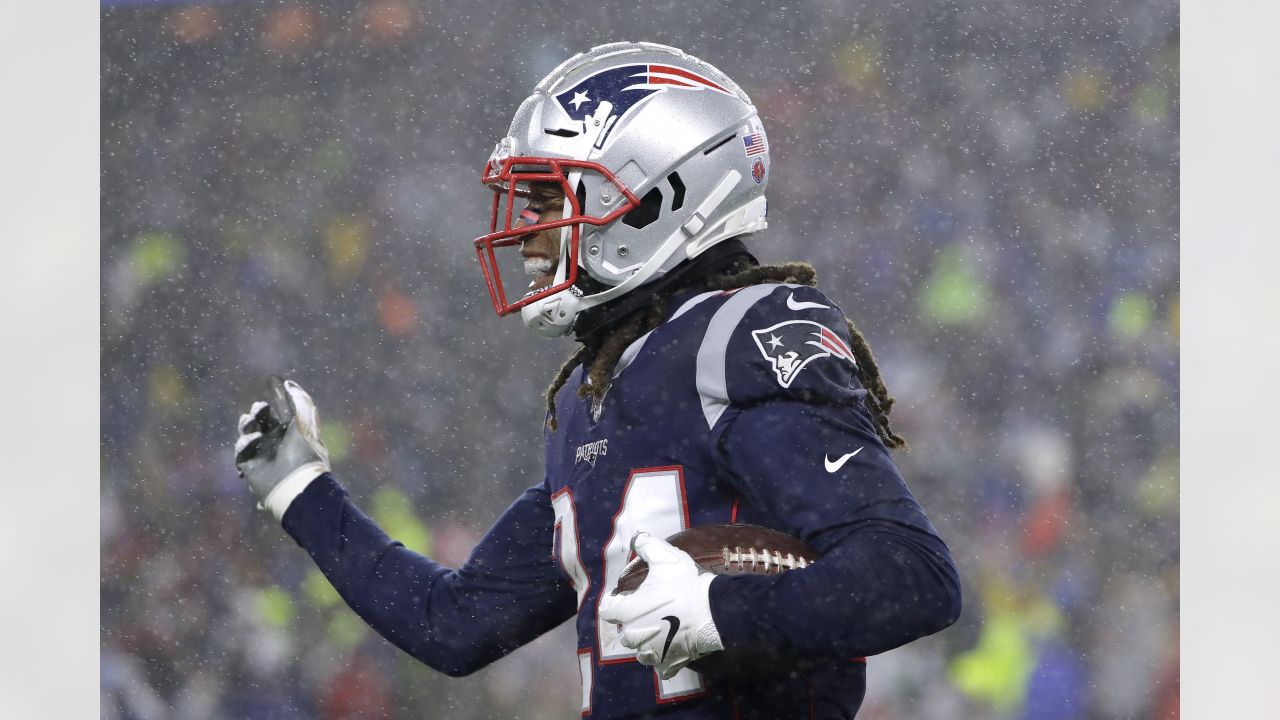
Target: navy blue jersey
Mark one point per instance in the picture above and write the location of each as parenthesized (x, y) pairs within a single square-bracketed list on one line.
[(743, 406)]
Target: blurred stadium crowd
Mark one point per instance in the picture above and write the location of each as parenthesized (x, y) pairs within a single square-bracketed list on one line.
[(989, 192)]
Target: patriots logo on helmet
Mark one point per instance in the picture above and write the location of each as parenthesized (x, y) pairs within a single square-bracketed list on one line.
[(623, 87), (790, 346)]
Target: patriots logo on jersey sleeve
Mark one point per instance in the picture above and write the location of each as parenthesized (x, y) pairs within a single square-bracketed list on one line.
[(621, 88), (790, 346)]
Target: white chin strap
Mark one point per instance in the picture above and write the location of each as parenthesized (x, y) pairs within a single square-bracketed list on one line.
[(552, 316)]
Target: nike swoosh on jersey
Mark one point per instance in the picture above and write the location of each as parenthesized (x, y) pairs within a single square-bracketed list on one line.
[(794, 304), (836, 465), (675, 625)]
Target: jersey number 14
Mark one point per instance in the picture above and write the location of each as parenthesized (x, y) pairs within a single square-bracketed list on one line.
[(654, 501)]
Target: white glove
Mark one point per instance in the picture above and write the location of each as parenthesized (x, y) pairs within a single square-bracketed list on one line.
[(667, 621), (278, 451)]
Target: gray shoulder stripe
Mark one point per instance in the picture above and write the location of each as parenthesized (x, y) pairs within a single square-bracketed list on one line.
[(713, 388), (634, 348), (688, 304)]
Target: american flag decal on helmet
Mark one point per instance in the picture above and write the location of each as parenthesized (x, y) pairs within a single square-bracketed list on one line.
[(753, 144)]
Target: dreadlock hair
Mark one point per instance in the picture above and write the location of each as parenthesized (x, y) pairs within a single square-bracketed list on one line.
[(602, 356)]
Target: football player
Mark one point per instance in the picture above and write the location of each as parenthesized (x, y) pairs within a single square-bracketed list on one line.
[(705, 388)]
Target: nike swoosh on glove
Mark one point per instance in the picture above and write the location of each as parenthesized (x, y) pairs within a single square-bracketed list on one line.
[(667, 621)]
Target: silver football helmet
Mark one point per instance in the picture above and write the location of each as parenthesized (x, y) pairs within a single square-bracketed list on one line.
[(660, 156)]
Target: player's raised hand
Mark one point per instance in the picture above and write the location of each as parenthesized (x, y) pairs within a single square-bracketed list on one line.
[(278, 450), (667, 621)]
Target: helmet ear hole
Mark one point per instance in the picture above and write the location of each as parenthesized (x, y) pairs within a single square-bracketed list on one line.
[(647, 211)]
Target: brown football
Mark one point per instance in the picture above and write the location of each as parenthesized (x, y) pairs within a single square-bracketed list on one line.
[(730, 550)]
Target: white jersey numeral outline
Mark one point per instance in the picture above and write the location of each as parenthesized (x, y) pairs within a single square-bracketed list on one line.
[(566, 546), (653, 500)]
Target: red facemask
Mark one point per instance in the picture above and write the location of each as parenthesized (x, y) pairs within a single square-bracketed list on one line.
[(510, 182)]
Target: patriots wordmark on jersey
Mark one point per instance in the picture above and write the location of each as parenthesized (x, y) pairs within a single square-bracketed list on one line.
[(742, 406)]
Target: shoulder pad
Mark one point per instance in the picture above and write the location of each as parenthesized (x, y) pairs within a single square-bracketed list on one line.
[(775, 341)]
